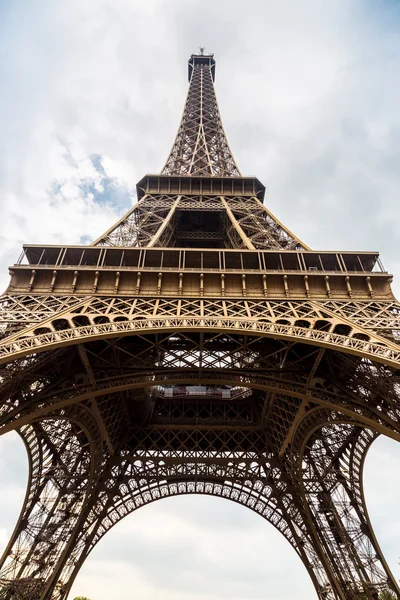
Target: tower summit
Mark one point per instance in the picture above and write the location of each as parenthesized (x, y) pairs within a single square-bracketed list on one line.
[(198, 346), (201, 147)]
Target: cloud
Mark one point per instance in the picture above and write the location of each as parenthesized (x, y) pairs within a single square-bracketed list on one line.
[(13, 478), (200, 546), (309, 95), (382, 495)]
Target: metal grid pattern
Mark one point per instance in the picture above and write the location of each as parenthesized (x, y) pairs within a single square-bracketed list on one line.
[(200, 147)]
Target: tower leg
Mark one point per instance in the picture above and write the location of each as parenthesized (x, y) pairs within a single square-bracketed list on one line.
[(332, 459), (64, 455)]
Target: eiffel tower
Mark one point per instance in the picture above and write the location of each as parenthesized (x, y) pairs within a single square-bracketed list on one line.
[(198, 347)]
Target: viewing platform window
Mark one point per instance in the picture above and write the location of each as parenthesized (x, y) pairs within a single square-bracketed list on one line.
[(198, 258)]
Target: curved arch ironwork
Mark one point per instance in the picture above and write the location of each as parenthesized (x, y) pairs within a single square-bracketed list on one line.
[(380, 350), (332, 452)]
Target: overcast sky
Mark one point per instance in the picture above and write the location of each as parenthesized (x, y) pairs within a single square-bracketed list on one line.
[(92, 93)]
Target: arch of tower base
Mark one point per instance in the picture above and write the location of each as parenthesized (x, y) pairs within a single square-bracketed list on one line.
[(198, 346), (320, 525)]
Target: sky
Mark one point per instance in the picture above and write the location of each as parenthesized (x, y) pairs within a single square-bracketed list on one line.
[(92, 94)]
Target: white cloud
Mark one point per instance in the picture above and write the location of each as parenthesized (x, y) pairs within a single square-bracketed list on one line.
[(382, 493), (13, 478), (202, 547)]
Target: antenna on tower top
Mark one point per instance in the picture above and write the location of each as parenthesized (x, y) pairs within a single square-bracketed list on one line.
[(202, 48)]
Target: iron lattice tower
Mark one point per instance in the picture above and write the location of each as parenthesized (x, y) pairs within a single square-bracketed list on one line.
[(198, 346)]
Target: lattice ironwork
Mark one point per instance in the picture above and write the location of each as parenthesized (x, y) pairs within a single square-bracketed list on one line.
[(198, 347), (159, 220), (201, 147)]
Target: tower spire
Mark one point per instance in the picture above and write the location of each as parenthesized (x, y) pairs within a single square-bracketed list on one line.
[(201, 147)]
